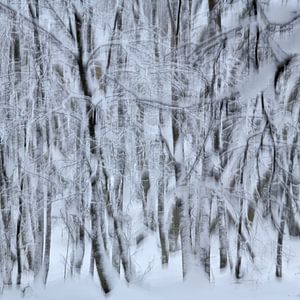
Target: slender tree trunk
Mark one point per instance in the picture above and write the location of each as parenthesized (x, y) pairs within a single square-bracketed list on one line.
[(222, 233), (204, 234), (46, 262), (18, 241), (238, 265), (6, 219), (161, 211), (280, 241), (97, 239)]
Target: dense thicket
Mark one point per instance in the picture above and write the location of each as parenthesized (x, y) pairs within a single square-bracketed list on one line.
[(121, 119)]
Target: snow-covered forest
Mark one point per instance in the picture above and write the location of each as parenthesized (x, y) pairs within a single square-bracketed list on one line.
[(145, 137)]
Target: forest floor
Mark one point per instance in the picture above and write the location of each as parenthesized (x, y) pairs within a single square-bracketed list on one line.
[(157, 283), (164, 289)]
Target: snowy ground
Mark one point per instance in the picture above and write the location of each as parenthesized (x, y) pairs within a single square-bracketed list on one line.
[(165, 289), (164, 284)]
